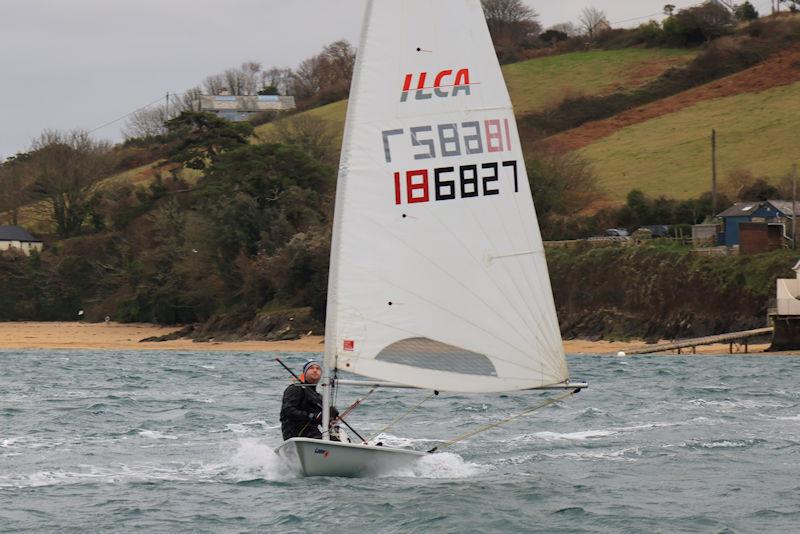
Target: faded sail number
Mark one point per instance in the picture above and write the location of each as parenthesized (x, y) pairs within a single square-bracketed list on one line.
[(425, 184)]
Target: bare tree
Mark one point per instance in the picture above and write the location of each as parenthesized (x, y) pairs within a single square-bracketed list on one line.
[(215, 84), (566, 28), (64, 167), (247, 79), (591, 19), (513, 26), (280, 79), (148, 122), (327, 75), (188, 100)]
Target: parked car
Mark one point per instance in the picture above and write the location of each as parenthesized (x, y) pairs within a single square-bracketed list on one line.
[(617, 232)]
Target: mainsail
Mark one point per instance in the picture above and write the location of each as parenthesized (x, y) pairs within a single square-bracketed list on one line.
[(438, 277)]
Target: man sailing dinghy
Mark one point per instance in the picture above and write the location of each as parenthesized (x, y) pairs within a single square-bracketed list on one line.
[(438, 277)]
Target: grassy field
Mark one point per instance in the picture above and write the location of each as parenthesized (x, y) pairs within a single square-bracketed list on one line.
[(671, 155), (537, 83)]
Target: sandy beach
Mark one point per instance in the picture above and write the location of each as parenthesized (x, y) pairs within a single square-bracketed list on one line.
[(116, 336)]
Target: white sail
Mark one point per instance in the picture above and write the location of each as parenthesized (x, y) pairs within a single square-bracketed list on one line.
[(438, 277)]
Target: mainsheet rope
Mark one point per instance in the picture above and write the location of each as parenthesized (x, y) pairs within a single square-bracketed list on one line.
[(462, 437)]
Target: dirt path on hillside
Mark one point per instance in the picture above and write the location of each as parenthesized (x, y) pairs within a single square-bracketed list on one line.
[(781, 69)]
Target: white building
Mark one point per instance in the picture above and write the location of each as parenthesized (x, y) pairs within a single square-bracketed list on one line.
[(240, 108), (788, 294), (17, 238)]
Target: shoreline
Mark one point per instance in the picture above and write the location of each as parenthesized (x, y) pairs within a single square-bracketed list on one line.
[(116, 336)]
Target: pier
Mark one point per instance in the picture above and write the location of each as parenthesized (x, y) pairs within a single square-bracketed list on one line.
[(731, 338)]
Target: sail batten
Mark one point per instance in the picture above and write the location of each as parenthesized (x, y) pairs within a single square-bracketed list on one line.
[(438, 277)]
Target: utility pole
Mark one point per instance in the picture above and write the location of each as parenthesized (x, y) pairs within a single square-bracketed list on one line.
[(794, 206), (713, 173)]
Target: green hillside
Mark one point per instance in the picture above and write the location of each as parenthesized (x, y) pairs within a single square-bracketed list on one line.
[(671, 155), (538, 83)]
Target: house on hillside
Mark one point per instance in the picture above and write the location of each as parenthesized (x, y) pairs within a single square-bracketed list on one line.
[(241, 108), (14, 237), (756, 226)]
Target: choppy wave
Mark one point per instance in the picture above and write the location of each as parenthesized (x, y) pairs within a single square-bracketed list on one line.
[(167, 442)]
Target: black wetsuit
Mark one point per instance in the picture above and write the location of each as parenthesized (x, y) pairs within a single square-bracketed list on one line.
[(300, 411)]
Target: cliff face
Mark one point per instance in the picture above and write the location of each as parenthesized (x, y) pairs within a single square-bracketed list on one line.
[(654, 293)]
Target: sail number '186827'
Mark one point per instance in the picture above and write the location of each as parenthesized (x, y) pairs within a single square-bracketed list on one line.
[(447, 141)]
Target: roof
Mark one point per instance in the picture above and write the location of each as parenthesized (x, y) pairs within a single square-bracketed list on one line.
[(745, 209), (15, 233), (252, 103), (741, 209), (784, 206)]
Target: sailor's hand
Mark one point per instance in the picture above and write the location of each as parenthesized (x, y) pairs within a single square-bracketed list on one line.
[(334, 413)]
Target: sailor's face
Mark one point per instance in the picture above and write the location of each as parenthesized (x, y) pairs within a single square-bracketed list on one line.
[(313, 374)]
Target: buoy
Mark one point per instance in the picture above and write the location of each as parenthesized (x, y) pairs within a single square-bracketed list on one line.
[(621, 353)]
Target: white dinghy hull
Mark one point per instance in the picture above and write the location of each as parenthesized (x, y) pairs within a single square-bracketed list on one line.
[(315, 457)]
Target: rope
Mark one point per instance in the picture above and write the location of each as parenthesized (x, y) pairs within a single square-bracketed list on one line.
[(503, 421), (355, 405), (403, 416)]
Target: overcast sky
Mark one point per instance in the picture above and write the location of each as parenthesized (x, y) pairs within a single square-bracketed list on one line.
[(68, 64)]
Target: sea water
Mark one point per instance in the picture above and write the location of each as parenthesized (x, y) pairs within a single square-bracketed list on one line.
[(183, 442)]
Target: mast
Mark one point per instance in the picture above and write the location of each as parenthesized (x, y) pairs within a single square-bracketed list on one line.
[(329, 360)]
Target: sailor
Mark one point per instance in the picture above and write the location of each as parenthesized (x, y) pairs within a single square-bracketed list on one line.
[(301, 412)]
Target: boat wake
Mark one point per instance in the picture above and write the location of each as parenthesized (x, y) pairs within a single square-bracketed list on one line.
[(444, 465), (254, 459)]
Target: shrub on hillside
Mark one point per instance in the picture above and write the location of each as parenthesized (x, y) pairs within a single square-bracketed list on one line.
[(698, 25)]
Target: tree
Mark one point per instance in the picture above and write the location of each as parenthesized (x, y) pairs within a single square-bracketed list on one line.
[(147, 123), (280, 79), (258, 197), (14, 185), (204, 137), (669, 10), (700, 24), (150, 122), (759, 190), (64, 167), (311, 134), (551, 37), (746, 12), (325, 77), (513, 26), (565, 27), (561, 184), (246, 79), (590, 20)]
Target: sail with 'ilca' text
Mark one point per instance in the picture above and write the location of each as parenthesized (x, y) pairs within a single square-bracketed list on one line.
[(438, 276)]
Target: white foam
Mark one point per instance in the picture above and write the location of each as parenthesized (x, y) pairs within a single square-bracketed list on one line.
[(617, 455), (399, 442), (725, 444), (9, 442), (155, 434), (571, 436), (440, 465), (253, 458)]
